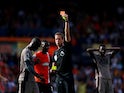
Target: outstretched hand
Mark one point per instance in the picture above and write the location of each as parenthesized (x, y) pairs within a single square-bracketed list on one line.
[(64, 15), (37, 61)]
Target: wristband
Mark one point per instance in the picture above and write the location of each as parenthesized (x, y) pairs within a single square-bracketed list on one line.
[(66, 21)]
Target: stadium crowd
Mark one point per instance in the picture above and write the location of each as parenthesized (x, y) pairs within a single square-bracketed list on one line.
[(89, 28)]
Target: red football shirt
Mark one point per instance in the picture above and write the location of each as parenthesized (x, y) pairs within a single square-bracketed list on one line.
[(42, 67)]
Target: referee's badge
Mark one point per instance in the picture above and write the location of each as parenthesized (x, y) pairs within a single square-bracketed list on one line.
[(62, 53)]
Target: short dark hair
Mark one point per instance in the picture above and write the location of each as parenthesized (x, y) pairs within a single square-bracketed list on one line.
[(103, 45), (36, 41), (60, 33), (45, 43)]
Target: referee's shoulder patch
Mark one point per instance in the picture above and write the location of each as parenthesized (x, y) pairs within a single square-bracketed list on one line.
[(62, 53)]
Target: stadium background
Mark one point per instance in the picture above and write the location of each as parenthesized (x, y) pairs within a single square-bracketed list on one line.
[(91, 21)]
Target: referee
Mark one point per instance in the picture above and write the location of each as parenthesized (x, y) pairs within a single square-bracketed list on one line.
[(62, 59)]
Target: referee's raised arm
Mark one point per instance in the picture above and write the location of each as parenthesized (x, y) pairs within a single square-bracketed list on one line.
[(67, 27)]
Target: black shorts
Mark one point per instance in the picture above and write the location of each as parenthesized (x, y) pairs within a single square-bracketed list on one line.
[(65, 86), (44, 88)]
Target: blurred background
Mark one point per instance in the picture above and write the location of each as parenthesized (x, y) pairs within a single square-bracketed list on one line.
[(92, 22)]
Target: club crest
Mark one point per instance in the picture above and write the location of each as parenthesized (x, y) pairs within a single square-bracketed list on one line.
[(62, 53)]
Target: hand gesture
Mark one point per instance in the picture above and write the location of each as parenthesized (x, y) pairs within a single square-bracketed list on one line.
[(37, 61), (64, 15), (42, 79)]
